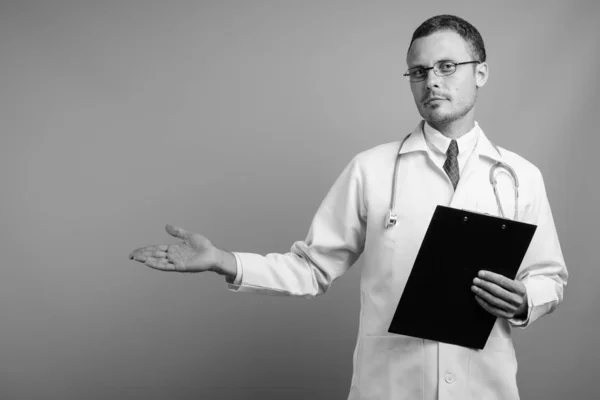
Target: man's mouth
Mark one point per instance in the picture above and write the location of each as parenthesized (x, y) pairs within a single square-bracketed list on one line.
[(430, 99)]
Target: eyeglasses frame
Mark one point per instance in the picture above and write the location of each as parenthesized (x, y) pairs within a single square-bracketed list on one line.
[(407, 73)]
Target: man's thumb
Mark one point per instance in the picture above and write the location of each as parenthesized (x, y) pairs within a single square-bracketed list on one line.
[(177, 232)]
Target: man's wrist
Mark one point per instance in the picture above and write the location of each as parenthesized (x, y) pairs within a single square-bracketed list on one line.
[(227, 265), (524, 311)]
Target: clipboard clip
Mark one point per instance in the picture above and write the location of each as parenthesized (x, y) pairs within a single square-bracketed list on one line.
[(465, 218)]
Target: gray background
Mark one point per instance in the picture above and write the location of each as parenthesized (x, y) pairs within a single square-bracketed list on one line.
[(233, 118)]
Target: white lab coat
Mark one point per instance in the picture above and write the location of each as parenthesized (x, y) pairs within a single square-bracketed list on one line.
[(350, 222)]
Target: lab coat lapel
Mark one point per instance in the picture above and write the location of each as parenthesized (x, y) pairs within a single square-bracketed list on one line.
[(474, 191), (416, 142)]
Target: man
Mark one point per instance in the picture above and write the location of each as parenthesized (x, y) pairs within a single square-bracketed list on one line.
[(446, 160)]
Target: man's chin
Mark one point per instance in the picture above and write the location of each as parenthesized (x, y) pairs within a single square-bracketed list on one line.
[(435, 116)]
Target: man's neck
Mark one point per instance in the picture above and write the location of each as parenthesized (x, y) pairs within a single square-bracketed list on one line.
[(454, 129)]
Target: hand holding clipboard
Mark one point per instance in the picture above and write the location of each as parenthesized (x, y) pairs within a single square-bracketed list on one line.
[(438, 301), (499, 295)]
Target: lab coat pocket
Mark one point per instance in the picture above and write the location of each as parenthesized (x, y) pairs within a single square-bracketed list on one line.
[(493, 371), (391, 367)]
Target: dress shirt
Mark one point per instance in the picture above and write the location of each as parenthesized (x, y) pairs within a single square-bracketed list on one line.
[(438, 145), (238, 275)]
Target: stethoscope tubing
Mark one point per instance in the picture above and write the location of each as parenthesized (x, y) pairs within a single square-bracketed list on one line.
[(392, 218)]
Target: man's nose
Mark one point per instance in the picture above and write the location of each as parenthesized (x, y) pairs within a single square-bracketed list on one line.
[(432, 80)]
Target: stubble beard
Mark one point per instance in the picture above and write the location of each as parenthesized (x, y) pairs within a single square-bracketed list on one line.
[(435, 118)]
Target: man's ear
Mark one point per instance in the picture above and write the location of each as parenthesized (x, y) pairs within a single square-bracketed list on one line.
[(481, 74)]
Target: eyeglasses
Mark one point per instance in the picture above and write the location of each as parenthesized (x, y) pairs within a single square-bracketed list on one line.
[(440, 68)]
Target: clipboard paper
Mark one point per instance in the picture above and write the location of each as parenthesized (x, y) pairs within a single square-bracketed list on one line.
[(437, 302)]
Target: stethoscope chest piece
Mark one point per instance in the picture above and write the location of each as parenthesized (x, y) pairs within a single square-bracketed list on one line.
[(390, 219)]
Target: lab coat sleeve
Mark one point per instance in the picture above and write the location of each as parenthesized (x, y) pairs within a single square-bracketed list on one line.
[(238, 275), (334, 242), (543, 271)]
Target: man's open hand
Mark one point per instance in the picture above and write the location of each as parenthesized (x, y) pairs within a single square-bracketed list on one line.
[(194, 253), (502, 297)]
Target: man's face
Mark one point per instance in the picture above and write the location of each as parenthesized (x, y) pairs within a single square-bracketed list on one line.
[(445, 99)]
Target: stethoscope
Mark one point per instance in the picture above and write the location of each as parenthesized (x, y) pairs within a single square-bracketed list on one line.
[(391, 217)]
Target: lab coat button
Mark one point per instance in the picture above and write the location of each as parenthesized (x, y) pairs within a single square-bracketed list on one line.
[(450, 378)]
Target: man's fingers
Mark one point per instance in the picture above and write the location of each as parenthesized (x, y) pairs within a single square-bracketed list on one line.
[(493, 300), (161, 264), (502, 281), (154, 253), (177, 232), (498, 291), (175, 259), (147, 249), (142, 256), (491, 309)]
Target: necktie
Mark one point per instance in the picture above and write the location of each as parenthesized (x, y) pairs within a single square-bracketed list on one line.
[(451, 164)]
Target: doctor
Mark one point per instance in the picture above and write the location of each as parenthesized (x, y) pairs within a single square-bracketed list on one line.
[(446, 160)]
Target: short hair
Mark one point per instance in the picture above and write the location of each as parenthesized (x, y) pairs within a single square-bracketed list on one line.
[(455, 24)]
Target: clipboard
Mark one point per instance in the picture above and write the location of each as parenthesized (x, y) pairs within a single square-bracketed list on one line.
[(437, 302)]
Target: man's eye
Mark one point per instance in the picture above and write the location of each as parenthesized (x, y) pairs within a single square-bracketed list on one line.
[(417, 73), (446, 66)]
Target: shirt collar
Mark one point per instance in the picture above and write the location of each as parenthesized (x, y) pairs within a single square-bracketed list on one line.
[(440, 143), (483, 146)]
